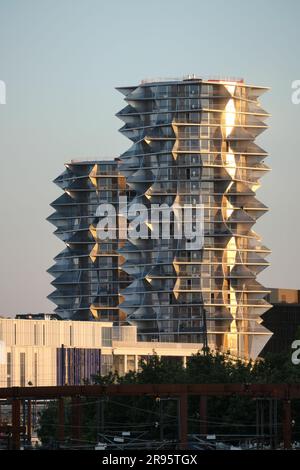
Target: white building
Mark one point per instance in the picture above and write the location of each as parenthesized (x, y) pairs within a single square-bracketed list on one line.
[(54, 352)]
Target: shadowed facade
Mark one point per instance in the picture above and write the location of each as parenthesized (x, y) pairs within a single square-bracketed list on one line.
[(87, 276)]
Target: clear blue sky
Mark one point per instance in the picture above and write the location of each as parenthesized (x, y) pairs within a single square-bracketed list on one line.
[(61, 60)]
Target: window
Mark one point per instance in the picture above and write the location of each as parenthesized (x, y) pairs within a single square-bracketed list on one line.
[(9, 370), (35, 369), (204, 131), (35, 335), (106, 364), (106, 337), (130, 363), (118, 364), (164, 105), (71, 335), (22, 369), (204, 144)]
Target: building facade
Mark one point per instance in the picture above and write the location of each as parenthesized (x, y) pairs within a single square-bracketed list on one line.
[(193, 142), (283, 320), (59, 352), (87, 275)]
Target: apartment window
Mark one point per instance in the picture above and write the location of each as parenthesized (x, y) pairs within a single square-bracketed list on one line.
[(9, 369), (106, 364), (118, 364), (194, 131), (130, 363), (35, 335), (15, 334), (205, 117), (205, 283), (204, 131), (22, 369), (204, 144), (71, 335), (35, 369), (164, 105), (106, 337)]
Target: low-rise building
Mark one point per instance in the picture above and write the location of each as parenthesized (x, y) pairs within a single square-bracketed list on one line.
[(57, 352), (283, 320)]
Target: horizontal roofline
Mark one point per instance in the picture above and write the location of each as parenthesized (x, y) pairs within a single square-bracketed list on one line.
[(194, 79), (87, 161)]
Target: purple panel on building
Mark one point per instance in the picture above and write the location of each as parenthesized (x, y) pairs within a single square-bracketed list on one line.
[(76, 365)]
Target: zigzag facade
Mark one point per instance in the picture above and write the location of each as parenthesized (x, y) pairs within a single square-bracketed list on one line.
[(194, 142), (87, 275)]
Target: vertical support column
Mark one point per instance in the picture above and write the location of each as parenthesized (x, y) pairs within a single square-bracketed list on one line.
[(287, 424), (203, 414), (100, 416), (29, 421), (61, 421), (161, 420), (273, 422), (98, 419), (76, 419), (16, 414), (275, 414), (183, 430)]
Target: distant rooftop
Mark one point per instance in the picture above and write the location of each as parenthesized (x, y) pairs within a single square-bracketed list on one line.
[(37, 316), (193, 77), (89, 161)]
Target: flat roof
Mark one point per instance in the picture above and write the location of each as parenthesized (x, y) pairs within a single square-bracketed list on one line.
[(193, 78), (87, 161)]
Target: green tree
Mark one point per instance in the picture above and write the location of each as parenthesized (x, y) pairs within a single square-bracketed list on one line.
[(234, 414)]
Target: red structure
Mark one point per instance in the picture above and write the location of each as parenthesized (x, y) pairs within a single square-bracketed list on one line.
[(15, 395)]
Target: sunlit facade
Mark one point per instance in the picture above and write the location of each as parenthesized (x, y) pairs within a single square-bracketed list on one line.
[(193, 142)]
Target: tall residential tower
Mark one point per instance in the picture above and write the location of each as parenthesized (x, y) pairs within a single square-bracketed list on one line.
[(87, 275), (193, 142)]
